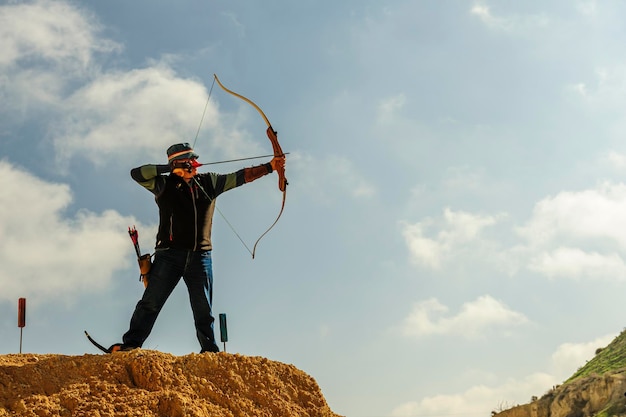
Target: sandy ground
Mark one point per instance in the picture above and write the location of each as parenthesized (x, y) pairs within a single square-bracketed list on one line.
[(147, 383)]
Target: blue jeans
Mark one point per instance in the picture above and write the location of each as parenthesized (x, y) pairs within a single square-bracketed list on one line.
[(168, 267)]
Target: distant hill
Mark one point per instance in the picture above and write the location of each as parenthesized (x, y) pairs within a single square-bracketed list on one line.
[(145, 383), (597, 389), (609, 359)]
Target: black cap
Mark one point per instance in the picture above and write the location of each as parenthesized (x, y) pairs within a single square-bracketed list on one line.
[(180, 151)]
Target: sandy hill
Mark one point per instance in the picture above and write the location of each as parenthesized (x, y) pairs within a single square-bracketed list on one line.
[(596, 389), (147, 383)]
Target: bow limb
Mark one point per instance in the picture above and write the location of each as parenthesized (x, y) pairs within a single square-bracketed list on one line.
[(278, 152), (247, 100)]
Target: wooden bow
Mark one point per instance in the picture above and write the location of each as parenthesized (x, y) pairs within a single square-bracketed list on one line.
[(273, 137)]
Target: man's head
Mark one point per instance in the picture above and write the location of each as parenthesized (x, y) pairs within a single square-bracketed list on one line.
[(180, 151), (182, 160)]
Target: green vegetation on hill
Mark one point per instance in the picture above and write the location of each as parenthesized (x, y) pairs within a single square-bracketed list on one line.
[(611, 358)]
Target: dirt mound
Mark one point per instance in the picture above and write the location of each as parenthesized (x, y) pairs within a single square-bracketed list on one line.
[(147, 383)]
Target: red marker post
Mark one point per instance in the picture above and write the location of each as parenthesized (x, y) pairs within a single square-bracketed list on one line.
[(21, 317)]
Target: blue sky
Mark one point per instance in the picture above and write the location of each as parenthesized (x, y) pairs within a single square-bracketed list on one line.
[(454, 234)]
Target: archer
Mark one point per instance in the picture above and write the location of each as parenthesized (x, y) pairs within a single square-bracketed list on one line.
[(186, 202)]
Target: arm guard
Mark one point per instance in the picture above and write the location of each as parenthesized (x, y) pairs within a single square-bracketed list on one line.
[(253, 173)]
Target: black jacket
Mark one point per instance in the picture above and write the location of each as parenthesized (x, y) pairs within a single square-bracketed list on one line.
[(186, 209)]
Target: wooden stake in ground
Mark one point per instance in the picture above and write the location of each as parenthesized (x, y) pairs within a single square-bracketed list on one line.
[(223, 330)]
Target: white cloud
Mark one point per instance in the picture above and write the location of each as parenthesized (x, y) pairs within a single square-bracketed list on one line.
[(616, 160), (574, 234), (481, 399), (51, 31), (46, 45), (474, 318), (484, 13), (579, 233), (571, 356), (604, 93), (573, 263), (518, 24), (51, 61), (144, 110), (457, 229), (46, 255)]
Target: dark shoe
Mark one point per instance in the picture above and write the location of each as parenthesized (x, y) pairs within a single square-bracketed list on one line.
[(212, 349), (120, 347)]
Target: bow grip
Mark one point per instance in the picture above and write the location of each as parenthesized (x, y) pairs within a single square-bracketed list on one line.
[(273, 136)]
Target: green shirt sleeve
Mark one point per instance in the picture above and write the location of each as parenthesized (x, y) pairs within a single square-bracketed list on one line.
[(149, 176)]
